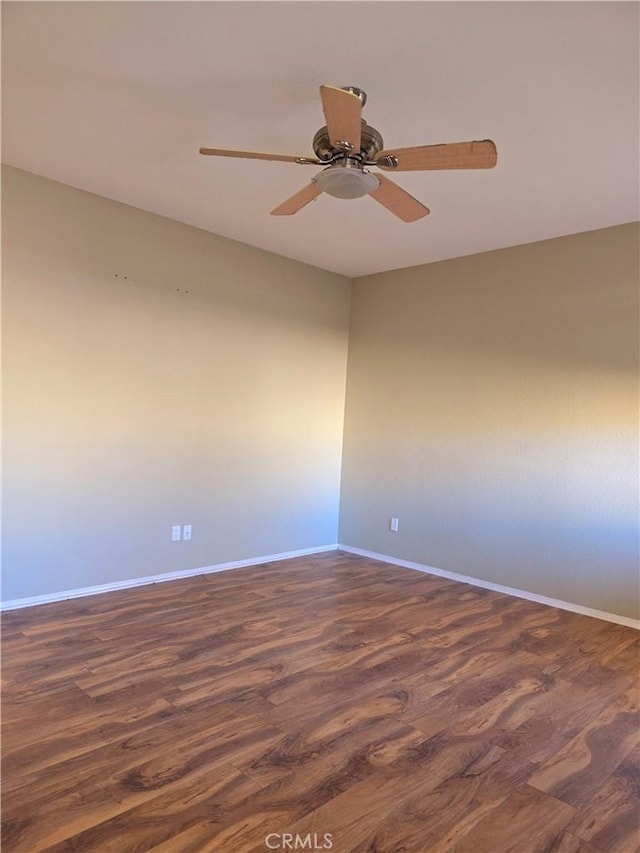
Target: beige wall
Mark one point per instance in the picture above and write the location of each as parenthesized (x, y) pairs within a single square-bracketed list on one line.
[(205, 387), (492, 406)]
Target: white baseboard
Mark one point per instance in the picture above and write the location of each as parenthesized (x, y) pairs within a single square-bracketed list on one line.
[(16, 603), (32, 601), (496, 587)]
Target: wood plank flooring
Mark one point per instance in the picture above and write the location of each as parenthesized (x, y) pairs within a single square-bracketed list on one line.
[(332, 702)]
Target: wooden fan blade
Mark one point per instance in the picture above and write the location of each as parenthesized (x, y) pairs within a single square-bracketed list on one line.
[(297, 201), (452, 155), (253, 155), (398, 201), (342, 111)]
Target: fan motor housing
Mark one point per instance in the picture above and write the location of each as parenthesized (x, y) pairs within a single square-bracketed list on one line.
[(370, 144)]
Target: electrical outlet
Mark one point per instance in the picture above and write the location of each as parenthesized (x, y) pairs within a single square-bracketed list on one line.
[(175, 533), (186, 531), (393, 525)]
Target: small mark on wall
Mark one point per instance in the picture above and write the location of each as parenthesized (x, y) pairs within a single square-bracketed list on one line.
[(122, 277)]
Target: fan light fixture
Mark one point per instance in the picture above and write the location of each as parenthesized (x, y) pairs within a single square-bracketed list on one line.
[(343, 180)]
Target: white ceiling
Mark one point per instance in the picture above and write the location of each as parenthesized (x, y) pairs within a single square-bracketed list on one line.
[(116, 98)]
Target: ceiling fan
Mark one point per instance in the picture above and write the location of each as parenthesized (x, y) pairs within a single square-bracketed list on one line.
[(347, 144)]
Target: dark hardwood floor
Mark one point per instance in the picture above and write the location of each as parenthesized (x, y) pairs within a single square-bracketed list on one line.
[(351, 704)]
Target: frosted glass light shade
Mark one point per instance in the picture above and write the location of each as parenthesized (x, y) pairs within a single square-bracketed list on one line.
[(343, 182)]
